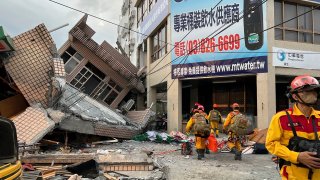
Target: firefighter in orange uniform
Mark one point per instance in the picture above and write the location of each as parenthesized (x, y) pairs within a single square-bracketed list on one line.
[(233, 140), (201, 134), (301, 121), (214, 118)]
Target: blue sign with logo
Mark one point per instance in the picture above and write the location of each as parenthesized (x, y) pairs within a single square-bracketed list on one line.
[(220, 41), (158, 13), (281, 55)]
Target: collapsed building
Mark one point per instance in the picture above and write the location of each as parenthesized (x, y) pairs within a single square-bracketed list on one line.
[(78, 92)]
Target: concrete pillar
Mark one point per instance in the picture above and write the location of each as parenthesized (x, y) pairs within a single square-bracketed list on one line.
[(174, 105), (151, 91), (266, 99), (140, 102)]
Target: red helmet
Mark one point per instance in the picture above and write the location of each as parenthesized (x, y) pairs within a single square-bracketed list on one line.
[(215, 105), (304, 83), (235, 105), (200, 107)]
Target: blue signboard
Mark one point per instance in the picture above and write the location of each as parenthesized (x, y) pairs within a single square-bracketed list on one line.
[(159, 11), (220, 42)]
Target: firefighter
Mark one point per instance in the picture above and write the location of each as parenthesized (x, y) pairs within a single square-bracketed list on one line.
[(201, 110), (233, 139), (195, 108), (300, 121), (214, 118), (201, 131)]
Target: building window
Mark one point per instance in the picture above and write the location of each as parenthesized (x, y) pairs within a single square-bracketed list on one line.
[(91, 81), (71, 59), (107, 92), (305, 28), (151, 3), (159, 43), (86, 80), (144, 9), (139, 14)]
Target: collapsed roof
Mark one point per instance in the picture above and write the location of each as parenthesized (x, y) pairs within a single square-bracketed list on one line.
[(40, 77)]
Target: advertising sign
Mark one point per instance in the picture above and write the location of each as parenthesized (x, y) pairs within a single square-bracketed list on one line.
[(240, 48), (295, 58), (159, 11)]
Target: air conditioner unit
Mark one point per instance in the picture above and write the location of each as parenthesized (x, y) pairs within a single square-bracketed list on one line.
[(132, 41), (132, 14), (126, 107), (131, 49), (131, 22), (124, 7)]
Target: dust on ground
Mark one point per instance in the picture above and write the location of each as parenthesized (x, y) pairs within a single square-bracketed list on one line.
[(215, 166)]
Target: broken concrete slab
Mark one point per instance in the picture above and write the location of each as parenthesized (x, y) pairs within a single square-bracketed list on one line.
[(57, 158), (32, 125)]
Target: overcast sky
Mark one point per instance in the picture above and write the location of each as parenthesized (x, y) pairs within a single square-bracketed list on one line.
[(18, 16)]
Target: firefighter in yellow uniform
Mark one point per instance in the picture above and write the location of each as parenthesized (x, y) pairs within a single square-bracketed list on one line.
[(214, 118), (233, 140), (301, 121), (201, 138)]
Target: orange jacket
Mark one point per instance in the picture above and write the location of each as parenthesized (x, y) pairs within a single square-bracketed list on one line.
[(279, 134)]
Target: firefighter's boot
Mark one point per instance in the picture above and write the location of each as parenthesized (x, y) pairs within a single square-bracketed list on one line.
[(238, 155), (199, 154)]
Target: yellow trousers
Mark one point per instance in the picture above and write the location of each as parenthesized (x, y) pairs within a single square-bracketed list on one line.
[(294, 172), (200, 142), (233, 141), (215, 127)]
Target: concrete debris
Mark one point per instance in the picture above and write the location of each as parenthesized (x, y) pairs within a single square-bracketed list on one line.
[(40, 79), (32, 125)]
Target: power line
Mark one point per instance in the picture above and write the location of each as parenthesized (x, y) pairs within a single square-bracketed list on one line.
[(245, 37), (262, 32), (203, 42), (159, 61), (102, 19), (198, 45)]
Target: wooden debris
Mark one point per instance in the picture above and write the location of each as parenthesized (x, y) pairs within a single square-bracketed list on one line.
[(105, 142), (108, 176), (57, 158)]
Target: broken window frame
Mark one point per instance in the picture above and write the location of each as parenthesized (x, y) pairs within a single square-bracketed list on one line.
[(85, 74), (76, 57), (106, 89)]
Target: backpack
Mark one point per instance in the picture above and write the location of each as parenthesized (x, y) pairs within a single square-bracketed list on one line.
[(214, 116), (240, 124), (201, 126)]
